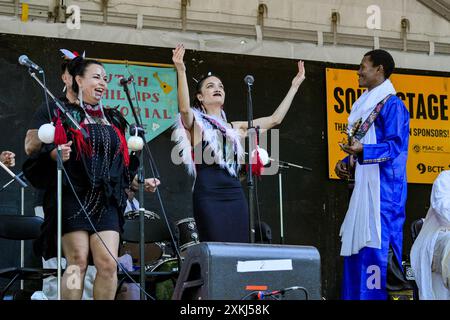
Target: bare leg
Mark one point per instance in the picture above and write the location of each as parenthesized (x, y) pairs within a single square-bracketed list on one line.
[(76, 249), (105, 284)]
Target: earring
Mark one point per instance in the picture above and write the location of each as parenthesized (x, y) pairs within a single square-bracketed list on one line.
[(80, 96)]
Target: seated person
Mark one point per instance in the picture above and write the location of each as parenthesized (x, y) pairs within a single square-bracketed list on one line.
[(132, 202), (430, 253)]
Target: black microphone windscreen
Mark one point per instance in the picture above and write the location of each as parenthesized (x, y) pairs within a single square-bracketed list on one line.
[(123, 81)]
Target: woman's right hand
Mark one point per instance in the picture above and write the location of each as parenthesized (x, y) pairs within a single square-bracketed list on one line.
[(177, 58)]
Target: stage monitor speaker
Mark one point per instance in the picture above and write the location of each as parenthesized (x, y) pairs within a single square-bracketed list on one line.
[(232, 271)]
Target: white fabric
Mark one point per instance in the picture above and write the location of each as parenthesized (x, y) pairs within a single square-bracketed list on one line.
[(362, 227), (49, 288), (435, 229), (39, 211), (129, 207)]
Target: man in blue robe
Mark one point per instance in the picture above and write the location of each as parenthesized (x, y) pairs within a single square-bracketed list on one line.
[(379, 123)]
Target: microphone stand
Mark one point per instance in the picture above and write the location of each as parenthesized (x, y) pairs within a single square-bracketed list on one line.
[(284, 165), (251, 141), (59, 177), (141, 182), (17, 177), (58, 104), (23, 185)]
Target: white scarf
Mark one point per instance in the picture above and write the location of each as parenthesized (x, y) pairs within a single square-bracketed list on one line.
[(211, 135), (362, 226), (431, 285)]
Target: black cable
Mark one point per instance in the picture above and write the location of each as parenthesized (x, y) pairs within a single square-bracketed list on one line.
[(274, 295), (135, 93), (155, 173), (140, 120), (257, 211), (46, 97), (256, 293), (249, 295), (153, 168), (258, 214)]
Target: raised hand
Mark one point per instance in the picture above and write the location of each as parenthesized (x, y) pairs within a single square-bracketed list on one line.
[(177, 57), (298, 79)]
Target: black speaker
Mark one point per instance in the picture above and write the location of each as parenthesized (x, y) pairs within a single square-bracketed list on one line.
[(235, 271)]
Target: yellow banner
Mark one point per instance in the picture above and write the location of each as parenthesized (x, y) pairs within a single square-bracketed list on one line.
[(427, 99)]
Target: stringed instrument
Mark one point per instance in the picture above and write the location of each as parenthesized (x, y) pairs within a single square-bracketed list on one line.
[(164, 85), (352, 159), (352, 132)]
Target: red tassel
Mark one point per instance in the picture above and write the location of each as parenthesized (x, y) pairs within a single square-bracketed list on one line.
[(60, 133), (258, 167), (123, 146), (81, 145)]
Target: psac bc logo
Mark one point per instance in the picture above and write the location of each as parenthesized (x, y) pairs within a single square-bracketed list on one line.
[(423, 168)]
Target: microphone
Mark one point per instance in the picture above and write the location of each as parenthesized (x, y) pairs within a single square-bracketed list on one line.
[(249, 79), (135, 127), (25, 61), (124, 81)]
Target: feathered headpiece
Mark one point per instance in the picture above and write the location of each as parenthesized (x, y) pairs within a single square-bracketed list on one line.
[(70, 55)]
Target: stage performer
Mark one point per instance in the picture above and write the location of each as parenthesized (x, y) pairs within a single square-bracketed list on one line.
[(220, 208), (378, 127), (99, 168)]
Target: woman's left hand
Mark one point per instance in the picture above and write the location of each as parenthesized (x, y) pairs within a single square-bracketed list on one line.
[(297, 81), (151, 184)]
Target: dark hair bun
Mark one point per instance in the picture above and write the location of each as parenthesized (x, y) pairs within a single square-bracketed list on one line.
[(74, 65)]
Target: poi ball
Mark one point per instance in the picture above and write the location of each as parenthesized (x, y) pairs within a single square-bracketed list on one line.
[(135, 143), (263, 155), (46, 133)]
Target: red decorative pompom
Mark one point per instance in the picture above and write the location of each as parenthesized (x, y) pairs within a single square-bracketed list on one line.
[(258, 166)]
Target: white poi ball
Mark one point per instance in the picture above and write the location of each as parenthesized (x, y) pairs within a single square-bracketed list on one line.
[(135, 143), (263, 155), (46, 133)]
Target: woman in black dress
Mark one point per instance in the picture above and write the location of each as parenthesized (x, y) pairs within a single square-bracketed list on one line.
[(220, 207), (99, 168)]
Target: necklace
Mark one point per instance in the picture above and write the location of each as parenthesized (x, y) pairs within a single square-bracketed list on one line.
[(95, 114)]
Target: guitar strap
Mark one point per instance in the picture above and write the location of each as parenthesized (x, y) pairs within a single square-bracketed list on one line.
[(361, 132)]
